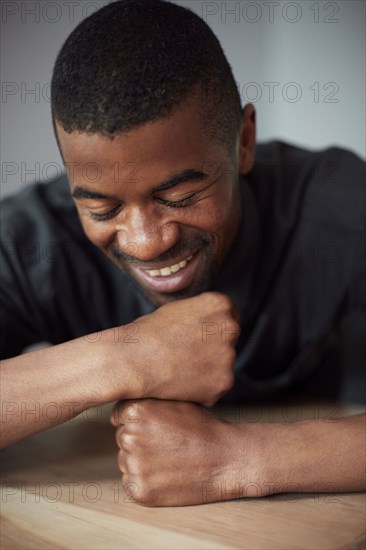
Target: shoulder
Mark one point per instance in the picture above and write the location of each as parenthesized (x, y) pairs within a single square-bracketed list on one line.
[(326, 185), (310, 207), (37, 203), (38, 218)]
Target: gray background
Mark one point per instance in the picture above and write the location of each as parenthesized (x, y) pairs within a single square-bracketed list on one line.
[(301, 63)]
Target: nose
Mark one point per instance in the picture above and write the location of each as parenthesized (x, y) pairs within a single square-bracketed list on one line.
[(146, 235)]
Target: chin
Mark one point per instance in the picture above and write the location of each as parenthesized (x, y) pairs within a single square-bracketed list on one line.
[(159, 299)]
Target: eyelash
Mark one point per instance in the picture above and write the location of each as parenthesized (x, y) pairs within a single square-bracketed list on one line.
[(104, 217), (170, 204), (177, 204)]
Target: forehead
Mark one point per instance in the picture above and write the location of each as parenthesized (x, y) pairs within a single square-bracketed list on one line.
[(177, 142)]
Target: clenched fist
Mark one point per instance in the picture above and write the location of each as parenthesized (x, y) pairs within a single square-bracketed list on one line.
[(185, 350), (176, 453)]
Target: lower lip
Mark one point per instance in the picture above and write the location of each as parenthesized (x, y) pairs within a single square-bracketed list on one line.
[(172, 283)]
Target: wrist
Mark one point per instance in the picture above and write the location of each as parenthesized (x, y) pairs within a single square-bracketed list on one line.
[(243, 464), (295, 459), (120, 373), (90, 362), (258, 459), (252, 459)]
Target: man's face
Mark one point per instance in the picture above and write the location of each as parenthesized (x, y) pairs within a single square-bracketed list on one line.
[(161, 201)]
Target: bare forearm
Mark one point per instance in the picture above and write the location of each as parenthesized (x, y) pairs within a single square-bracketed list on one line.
[(47, 387), (322, 456), (301, 457)]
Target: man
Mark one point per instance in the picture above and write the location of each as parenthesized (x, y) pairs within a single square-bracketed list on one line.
[(187, 271)]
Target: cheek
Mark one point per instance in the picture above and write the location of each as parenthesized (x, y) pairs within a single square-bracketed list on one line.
[(217, 216), (216, 221), (222, 220), (100, 234)]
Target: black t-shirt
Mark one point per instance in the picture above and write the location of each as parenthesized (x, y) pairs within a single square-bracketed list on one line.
[(296, 269)]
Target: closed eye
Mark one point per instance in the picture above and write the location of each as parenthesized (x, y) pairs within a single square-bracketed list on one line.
[(178, 204), (106, 216), (170, 204)]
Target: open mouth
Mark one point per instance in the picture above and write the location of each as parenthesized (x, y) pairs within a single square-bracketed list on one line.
[(170, 278), (169, 270)]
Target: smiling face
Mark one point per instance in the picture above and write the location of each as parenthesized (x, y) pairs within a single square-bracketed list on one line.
[(161, 200)]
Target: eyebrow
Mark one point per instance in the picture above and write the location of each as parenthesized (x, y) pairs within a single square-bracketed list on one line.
[(83, 193), (182, 177)]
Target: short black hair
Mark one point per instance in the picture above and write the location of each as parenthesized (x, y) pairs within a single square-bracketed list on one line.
[(133, 61)]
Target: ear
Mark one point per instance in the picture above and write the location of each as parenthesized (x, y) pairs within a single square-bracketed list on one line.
[(247, 139)]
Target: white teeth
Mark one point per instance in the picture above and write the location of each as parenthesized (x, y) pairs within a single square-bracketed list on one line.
[(166, 271), (175, 268)]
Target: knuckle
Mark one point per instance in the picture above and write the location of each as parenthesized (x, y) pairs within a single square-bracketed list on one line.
[(138, 467), (119, 436), (130, 486), (230, 381), (216, 299), (230, 332), (232, 356), (132, 411), (226, 301), (145, 495), (128, 442), (227, 381), (114, 418), (225, 359), (236, 328), (121, 461)]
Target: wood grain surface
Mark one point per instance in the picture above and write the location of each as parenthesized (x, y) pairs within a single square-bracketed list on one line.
[(61, 489)]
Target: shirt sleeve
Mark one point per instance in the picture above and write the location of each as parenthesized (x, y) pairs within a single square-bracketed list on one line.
[(18, 313), (55, 285), (27, 232), (357, 294), (356, 170)]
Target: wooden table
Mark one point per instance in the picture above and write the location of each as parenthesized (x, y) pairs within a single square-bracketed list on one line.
[(61, 489)]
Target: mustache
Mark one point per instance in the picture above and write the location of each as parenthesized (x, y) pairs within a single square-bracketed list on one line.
[(190, 245)]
